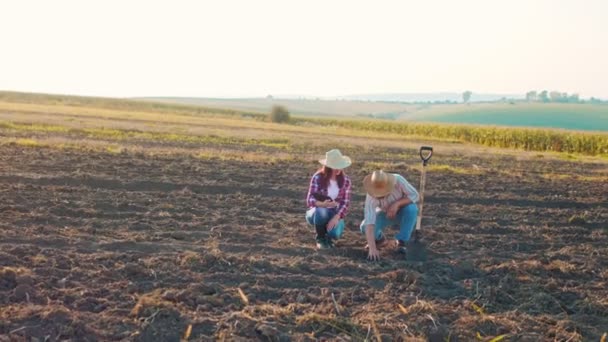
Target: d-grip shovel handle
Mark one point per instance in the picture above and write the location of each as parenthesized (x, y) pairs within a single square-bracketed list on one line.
[(426, 157)]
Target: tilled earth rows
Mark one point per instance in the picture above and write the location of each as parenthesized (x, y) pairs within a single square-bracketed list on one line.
[(107, 247)]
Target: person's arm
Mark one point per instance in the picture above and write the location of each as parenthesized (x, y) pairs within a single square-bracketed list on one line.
[(313, 188), (370, 227), (410, 195), (372, 253), (345, 198), (342, 206), (409, 190)]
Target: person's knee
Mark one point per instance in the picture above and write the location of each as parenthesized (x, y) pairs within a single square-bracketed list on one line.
[(309, 216), (337, 232), (321, 216), (411, 209)]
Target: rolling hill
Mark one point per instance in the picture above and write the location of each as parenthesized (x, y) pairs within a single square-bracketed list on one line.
[(574, 116)]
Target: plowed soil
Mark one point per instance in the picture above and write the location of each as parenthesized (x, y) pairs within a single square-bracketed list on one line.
[(134, 246)]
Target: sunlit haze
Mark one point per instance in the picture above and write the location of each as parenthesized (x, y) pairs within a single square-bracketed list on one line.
[(321, 48)]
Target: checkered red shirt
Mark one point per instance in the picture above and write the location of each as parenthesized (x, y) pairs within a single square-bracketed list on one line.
[(343, 195)]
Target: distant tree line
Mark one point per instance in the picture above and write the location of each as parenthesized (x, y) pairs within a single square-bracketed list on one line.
[(557, 97)]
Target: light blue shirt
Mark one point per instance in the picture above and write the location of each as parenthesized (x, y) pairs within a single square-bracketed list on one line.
[(401, 190)]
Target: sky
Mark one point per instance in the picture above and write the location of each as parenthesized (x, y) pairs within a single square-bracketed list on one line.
[(247, 48)]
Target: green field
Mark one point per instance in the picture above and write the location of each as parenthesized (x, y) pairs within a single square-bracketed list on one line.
[(593, 117), (553, 115)]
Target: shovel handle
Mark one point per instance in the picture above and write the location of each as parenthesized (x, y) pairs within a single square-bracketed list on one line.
[(426, 156)]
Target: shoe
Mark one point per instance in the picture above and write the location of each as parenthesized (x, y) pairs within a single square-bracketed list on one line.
[(331, 243), (401, 247), (322, 243), (381, 242)]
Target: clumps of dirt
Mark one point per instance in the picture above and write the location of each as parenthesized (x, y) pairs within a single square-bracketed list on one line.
[(152, 299), (201, 297), (90, 304), (401, 276), (198, 261), (134, 271), (240, 326), (211, 258), (8, 259), (17, 285), (271, 333), (44, 323), (236, 324), (158, 319), (21, 251), (400, 281), (541, 302), (464, 270), (8, 279), (23, 292), (65, 324), (160, 324)]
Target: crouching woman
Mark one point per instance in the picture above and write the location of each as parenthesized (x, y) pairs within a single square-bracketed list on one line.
[(328, 198)]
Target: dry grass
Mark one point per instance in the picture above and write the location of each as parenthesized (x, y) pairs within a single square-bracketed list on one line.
[(324, 323), (419, 307), (39, 260), (452, 169), (8, 271), (574, 177), (267, 310), (149, 304), (205, 153), (28, 143), (562, 266)]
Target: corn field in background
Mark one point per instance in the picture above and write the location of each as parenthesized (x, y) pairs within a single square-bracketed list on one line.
[(528, 139)]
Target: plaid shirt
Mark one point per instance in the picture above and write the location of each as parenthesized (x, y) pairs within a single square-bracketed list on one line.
[(343, 198)]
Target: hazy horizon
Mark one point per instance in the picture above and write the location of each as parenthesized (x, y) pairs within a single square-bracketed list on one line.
[(314, 48), (397, 97)]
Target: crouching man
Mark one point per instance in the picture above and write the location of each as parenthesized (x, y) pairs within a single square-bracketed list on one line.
[(391, 200)]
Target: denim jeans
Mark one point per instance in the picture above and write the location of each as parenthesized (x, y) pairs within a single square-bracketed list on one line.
[(319, 217), (405, 220)]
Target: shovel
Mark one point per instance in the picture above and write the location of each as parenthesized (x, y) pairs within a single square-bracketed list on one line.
[(417, 249)]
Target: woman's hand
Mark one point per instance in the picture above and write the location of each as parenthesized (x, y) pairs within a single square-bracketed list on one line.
[(333, 222), (327, 204)]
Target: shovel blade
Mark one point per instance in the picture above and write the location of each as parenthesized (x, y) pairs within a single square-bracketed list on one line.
[(417, 248)]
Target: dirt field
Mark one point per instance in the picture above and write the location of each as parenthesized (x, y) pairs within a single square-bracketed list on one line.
[(139, 244)]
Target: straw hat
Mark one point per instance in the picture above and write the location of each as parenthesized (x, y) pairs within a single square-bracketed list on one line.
[(335, 160), (379, 183)]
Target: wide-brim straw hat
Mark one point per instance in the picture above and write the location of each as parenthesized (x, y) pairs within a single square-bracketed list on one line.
[(379, 183), (335, 160)]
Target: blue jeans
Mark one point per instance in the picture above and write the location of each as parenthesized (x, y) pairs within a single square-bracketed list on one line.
[(319, 217), (405, 220)]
